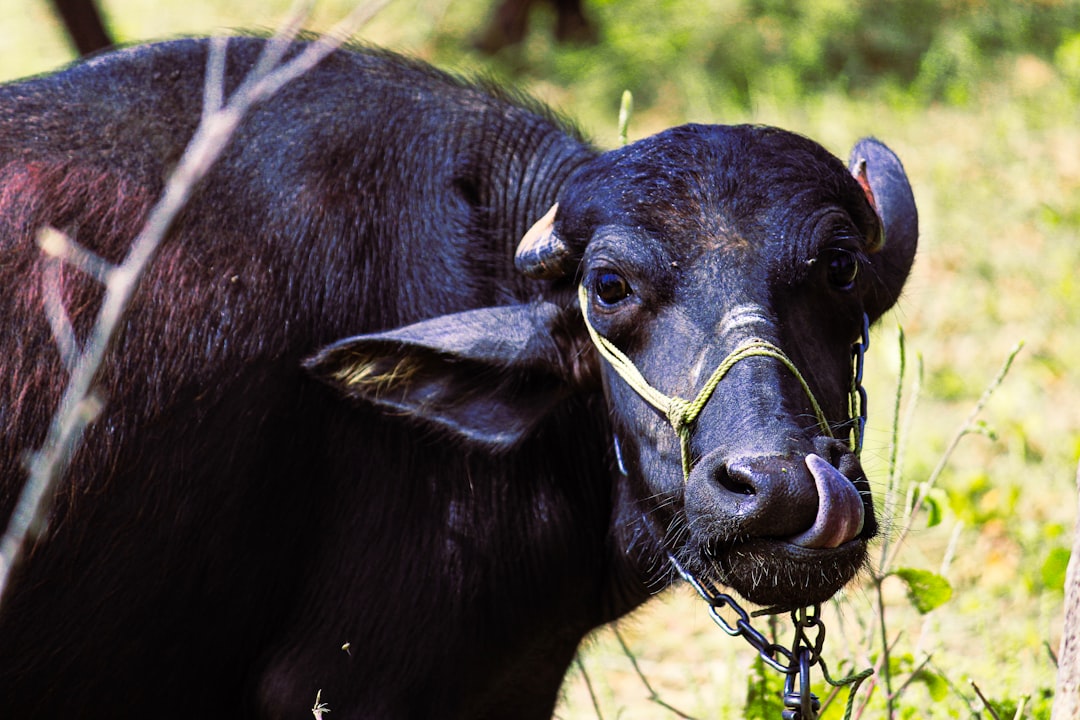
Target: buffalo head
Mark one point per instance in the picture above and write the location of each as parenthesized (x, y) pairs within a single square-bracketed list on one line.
[(741, 259)]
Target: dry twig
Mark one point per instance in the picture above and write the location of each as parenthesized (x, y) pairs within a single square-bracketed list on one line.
[(79, 406)]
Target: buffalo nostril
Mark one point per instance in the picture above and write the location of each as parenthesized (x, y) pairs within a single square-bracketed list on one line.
[(755, 496), (733, 481)]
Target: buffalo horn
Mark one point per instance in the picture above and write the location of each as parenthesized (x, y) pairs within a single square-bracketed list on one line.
[(541, 253)]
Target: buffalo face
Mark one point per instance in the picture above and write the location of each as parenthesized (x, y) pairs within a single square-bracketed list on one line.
[(692, 246), (681, 250)]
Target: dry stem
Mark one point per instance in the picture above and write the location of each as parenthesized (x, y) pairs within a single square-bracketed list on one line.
[(79, 406)]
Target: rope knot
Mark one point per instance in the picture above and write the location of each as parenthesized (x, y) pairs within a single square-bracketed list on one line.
[(679, 414)]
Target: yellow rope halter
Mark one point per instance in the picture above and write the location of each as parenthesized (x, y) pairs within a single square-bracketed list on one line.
[(681, 413)]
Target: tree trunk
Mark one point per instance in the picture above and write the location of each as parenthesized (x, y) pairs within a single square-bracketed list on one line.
[(1067, 696)]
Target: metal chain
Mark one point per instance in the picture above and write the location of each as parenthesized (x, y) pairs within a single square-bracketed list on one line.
[(803, 704), (795, 662), (858, 393)]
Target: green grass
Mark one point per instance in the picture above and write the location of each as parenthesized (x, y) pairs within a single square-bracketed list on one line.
[(990, 137)]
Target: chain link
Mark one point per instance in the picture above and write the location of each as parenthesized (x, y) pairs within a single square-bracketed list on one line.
[(801, 705), (858, 396), (795, 662)]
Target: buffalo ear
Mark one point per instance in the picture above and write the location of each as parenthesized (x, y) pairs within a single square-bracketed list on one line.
[(488, 375), (882, 177)]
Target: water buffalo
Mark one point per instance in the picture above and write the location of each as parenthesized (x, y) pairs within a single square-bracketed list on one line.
[(358, 438)]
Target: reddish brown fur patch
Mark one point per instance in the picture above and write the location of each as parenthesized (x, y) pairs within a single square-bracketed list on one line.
[(100, 210)]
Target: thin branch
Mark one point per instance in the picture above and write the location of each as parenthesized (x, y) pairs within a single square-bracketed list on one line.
[(870, 688), (901, 431), (834, 692), (63, 332), (880, 668), (589, 687), (930, 619), (58, 245), (956, 690), (894, 446), (653, 695), (985, 702), (886, 673), (912, 676), (78, 406), (214, 85), (966, 428)]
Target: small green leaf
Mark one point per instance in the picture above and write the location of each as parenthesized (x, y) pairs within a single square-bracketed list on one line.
[(933, 511), (926, 590), (626, 109), (1054, 569), (900, 663), (982, 428), (936, 684), (763, 691)]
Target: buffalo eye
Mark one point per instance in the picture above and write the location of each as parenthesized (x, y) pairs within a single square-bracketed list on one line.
[(610, 287), (841, 267)]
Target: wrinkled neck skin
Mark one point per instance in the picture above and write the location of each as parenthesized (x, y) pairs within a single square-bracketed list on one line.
[(514, 194), (518, 179)]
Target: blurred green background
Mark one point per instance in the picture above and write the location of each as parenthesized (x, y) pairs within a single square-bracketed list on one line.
[(981, 100)]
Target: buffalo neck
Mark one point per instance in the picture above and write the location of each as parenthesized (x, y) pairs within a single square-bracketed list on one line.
[(517, 176)]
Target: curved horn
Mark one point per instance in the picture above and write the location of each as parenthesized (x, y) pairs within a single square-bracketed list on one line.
[(541, 253)]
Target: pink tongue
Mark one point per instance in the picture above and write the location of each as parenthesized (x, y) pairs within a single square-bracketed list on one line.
[(840, 509)]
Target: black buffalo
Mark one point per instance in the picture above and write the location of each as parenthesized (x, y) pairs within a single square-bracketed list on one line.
[(348, 446)]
